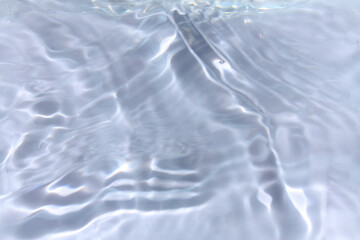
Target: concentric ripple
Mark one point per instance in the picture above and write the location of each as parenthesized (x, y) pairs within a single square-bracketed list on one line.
[(189, 119)]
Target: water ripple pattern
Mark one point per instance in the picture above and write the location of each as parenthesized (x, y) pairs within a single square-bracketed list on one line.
[(181, 119)]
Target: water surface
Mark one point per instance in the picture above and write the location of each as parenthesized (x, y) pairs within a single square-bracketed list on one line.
[(179, 120)]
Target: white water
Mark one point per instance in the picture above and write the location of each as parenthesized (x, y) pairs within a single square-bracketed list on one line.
[(179, 120)]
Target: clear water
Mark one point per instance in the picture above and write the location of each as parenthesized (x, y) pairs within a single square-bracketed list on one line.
[(129, 120)]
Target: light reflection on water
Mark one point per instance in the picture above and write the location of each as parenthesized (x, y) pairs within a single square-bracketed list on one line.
[(179, 120)]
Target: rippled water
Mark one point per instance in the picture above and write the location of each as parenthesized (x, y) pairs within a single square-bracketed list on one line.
[(179, 120)]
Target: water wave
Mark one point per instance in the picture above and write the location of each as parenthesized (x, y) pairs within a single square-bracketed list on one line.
[(179, 120)]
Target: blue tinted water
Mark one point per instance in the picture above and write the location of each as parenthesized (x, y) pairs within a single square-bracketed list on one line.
[(129, 120)]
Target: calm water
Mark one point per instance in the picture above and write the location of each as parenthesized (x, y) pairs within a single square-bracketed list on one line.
[(176, 120)]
